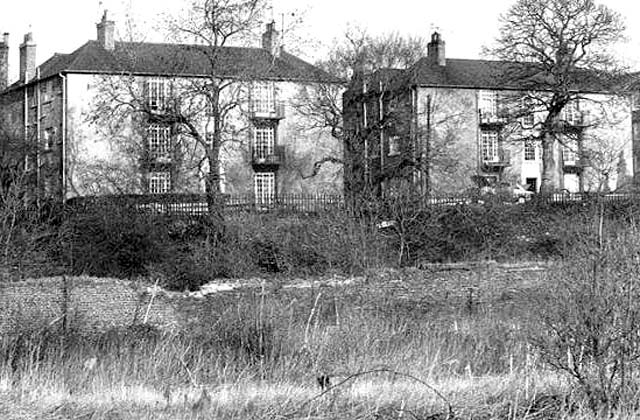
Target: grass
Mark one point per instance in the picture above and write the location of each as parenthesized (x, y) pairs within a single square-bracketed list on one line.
[(405, 344)]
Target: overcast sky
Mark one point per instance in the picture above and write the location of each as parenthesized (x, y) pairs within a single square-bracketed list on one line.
[(64, 25)]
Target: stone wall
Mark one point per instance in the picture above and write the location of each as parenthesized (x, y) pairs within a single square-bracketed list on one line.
[(83, 303)]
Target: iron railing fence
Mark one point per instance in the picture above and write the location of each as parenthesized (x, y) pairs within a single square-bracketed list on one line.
[(196, 204)]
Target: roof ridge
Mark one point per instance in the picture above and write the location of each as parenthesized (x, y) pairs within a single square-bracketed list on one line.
[(181, 44)]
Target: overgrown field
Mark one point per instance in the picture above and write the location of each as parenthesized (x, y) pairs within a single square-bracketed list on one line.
[(475, 343), (418, 344)]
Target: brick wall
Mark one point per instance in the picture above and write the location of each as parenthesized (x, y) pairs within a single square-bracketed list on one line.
[(90, 304)]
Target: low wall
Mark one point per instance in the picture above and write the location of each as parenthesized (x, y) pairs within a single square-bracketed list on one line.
[(82, 303)]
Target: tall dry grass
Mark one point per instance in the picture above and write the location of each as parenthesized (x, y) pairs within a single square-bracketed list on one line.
[(259, 354)]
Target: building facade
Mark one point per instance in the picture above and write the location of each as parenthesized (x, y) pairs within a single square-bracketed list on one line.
[(136, 118), (450, 126)]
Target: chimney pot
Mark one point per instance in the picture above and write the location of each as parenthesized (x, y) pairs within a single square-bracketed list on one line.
[(27, 58), (435, 50), (271, 40), (106, 31)]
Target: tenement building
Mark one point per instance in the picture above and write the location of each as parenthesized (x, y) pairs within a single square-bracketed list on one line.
[(149, 118), (448, 126)]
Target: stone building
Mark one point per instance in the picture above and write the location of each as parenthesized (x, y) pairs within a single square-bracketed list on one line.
[(81, 139), (450, 126)]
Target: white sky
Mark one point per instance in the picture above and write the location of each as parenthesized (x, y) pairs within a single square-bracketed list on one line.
[(466, 25)]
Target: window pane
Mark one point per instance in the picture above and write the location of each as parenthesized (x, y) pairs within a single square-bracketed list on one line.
[(528, 113), (394, 145), (159, 182), (488, 103), (159, 140), (263, 142), (569, 153), (263, 98), (489, 146), (156, 93), (529, 151), (570, 113), (264, 186)]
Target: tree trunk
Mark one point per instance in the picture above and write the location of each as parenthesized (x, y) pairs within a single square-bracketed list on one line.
[(550, 165), (215, 202)]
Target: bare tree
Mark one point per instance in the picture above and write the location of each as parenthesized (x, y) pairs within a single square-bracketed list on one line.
[(358, 53), (558, 49)]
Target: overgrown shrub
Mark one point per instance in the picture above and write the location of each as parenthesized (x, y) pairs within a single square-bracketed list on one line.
[(107, 239), (588, 323), (492, 230), (111, 240)]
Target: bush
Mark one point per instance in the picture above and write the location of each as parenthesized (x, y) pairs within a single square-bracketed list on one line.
[(588, 323), (111, 240)]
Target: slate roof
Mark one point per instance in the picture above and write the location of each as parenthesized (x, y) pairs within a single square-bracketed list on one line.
[(487, 74), (183, 60)]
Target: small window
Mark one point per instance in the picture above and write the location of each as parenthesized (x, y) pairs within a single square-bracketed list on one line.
[(263, 142), (44, 92), (159, 182), (569, 154), (49, 138), (32, 99), (156, 94), (263, 98), (529, 151), (571, 113), (394, 145), (490, 146), (264, 188), (159, 140), (488, 104), (528, 114)]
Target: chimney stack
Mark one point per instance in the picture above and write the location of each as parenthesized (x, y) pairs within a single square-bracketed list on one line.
[(435, 50), (106, 31), (271, 40), (4, 62), (27, 58)]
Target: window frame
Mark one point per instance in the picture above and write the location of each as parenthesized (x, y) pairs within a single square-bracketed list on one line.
[(263, 147), (48, 138), (571, 112), (156, 93), (569, 152), (159, 140), (530, 149), (394, 145), (527, 120), (264, 188), (159, 182), (490, 142), (488, 103), (263, 98)]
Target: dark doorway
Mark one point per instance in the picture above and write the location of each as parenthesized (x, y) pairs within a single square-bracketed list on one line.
[(532, 184)]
